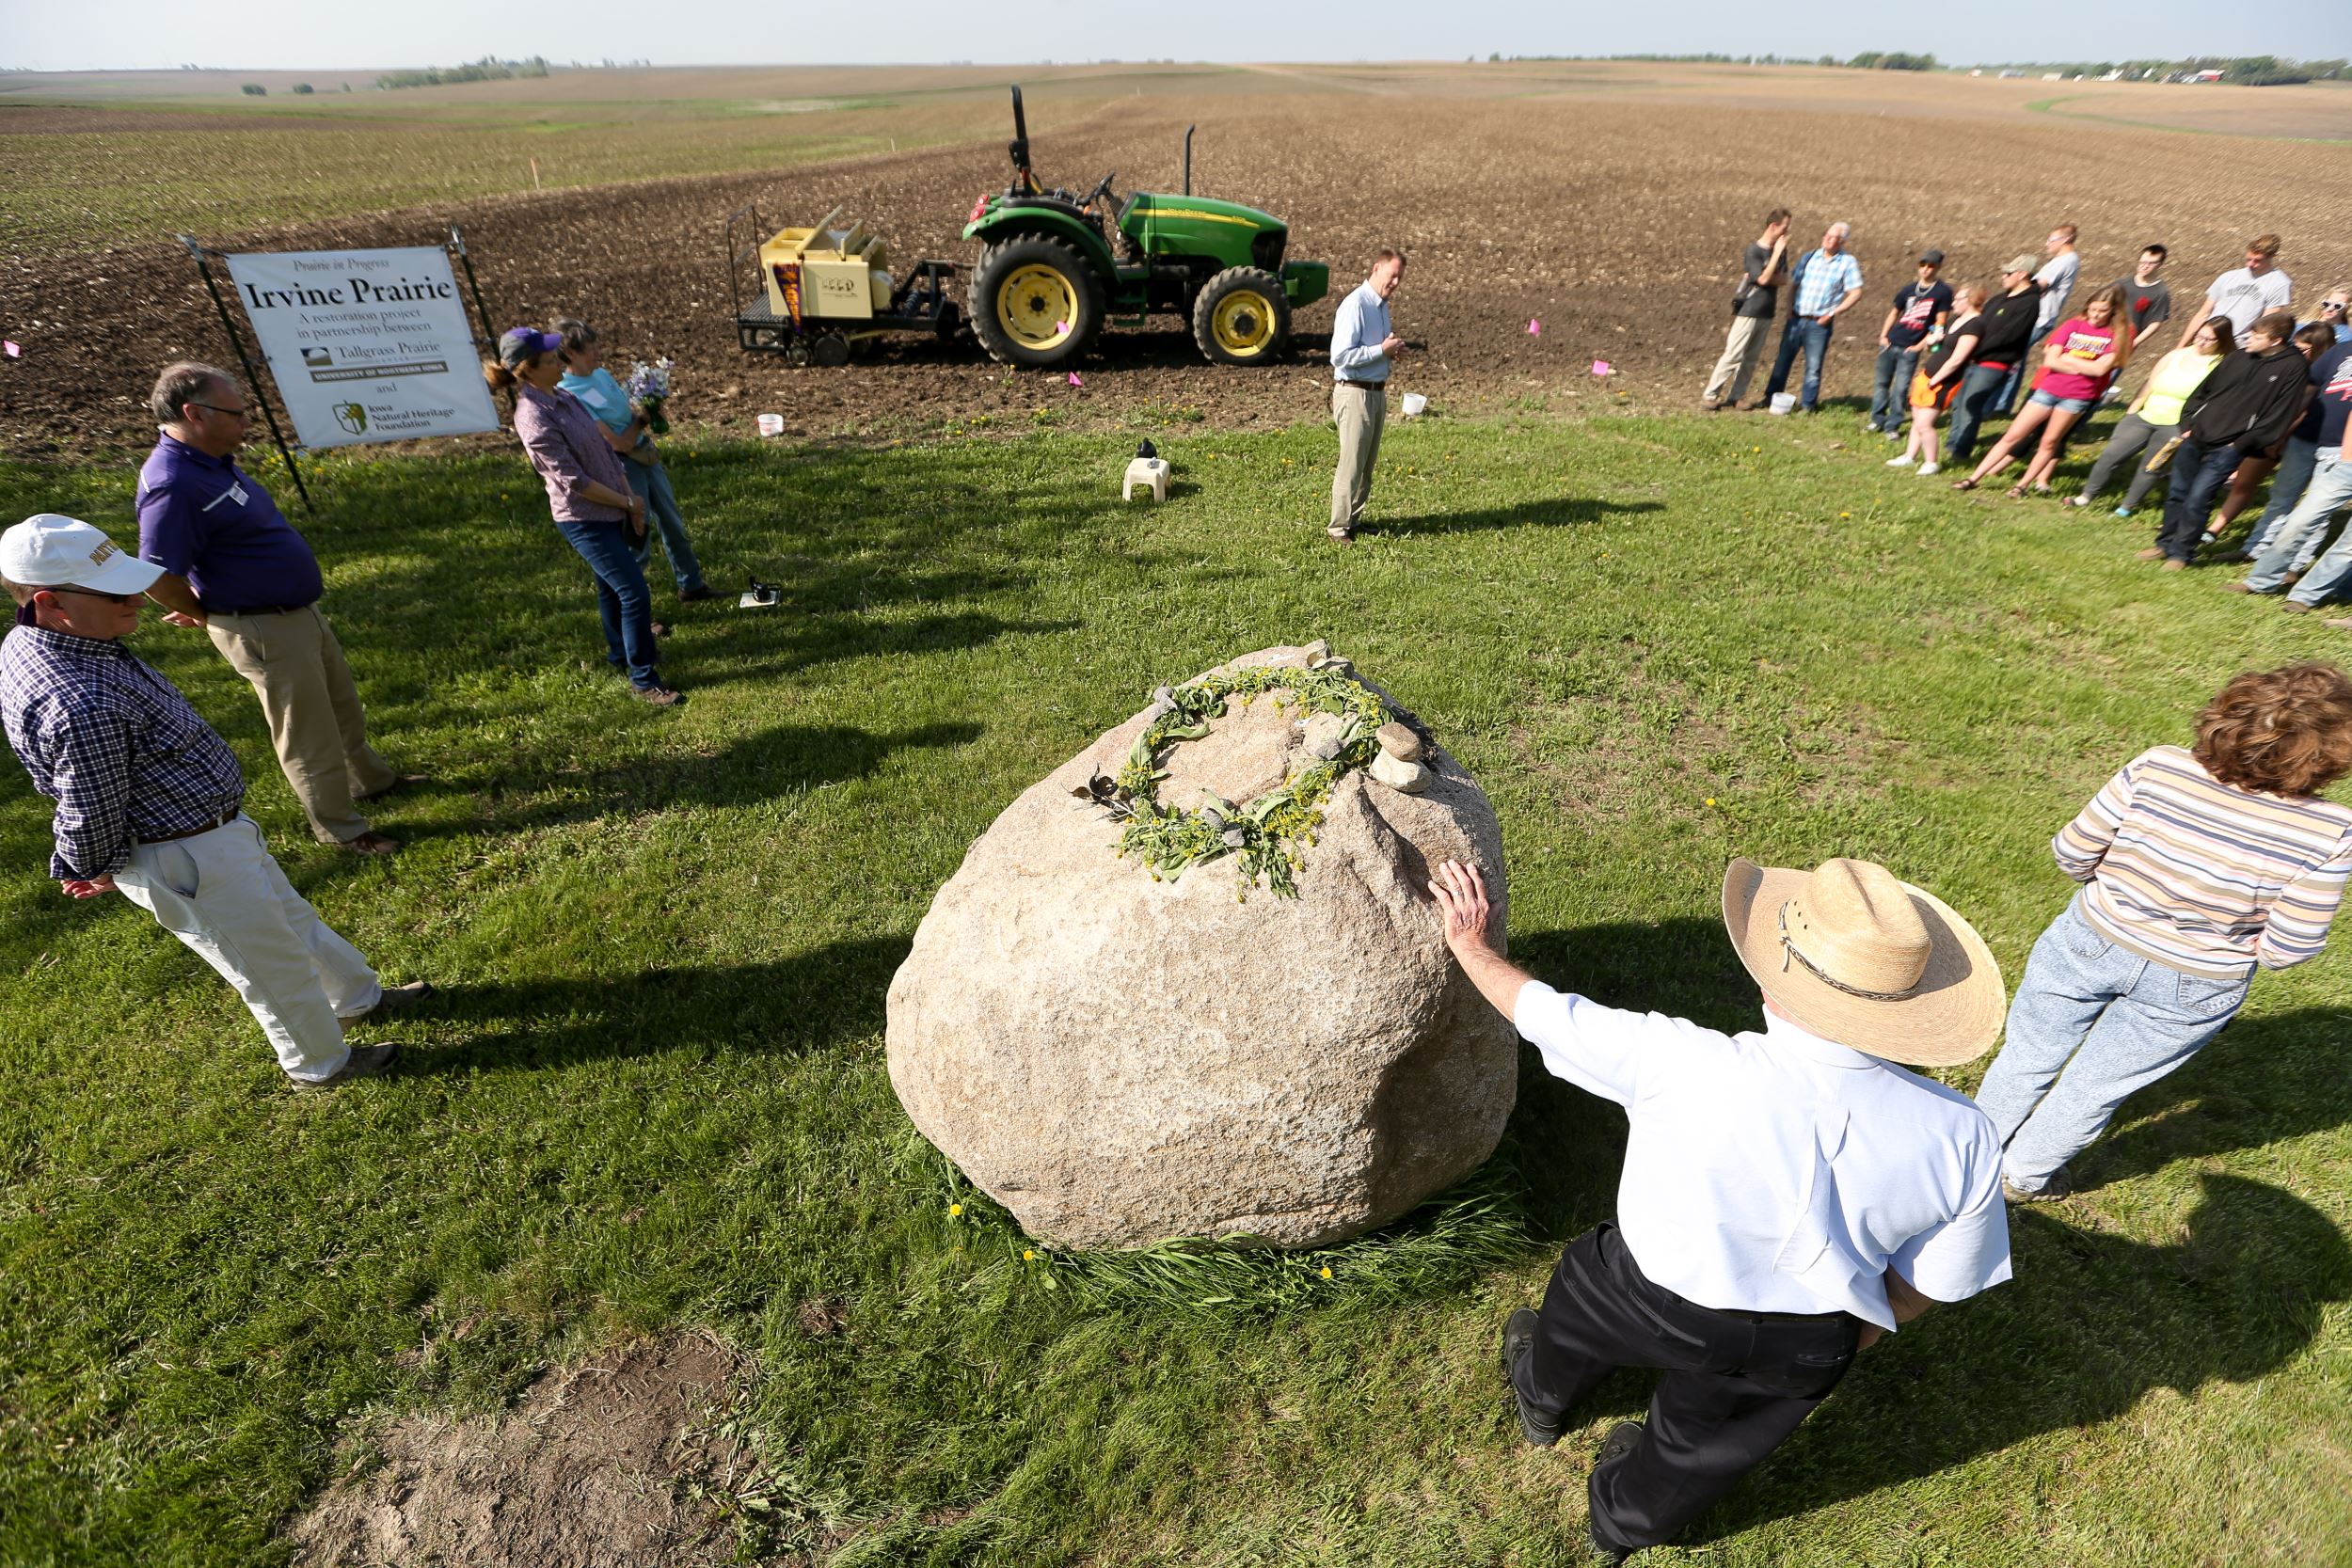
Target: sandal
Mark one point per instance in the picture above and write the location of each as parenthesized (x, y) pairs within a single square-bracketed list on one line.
[(2017, 492), (1964, 484)]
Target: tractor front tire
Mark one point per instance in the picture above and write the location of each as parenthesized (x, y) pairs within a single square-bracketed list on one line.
[(1034, 303), (1242, 317)]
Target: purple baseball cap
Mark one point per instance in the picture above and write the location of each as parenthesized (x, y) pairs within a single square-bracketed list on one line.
[(527, 343)]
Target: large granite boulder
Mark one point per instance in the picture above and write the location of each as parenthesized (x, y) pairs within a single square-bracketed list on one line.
[(1118, 1059)]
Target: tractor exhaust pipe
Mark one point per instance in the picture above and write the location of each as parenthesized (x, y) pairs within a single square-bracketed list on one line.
[(1020, 148), (1189, 159)]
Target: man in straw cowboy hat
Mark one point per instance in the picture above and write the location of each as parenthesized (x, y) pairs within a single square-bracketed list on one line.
[(1788, 1195)]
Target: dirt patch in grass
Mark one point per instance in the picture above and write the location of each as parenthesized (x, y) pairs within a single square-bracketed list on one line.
[(590, 1469)]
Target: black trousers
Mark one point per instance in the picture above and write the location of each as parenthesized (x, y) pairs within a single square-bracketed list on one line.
[(2199, 472), (1736, 1383)]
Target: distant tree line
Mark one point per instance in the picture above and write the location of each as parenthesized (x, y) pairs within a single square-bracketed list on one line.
[(2245, 71), (486, 69)]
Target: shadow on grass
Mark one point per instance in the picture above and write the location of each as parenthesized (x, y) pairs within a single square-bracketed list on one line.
[(789, 646), (1564, 511), (2091, 1324), (792, 1006), (2266, 1079), (756, 767)]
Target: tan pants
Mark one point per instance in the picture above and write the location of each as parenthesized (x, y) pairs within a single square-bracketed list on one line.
[(1741, 350), (1359, 412), (315, 721)]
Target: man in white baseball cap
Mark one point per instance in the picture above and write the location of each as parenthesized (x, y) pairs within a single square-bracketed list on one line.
[(1789, 1195), (149, 801)]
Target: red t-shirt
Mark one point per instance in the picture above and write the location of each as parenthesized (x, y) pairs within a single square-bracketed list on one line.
[(2078, 337)]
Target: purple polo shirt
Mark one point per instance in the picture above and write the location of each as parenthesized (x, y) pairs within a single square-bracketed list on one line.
[(205, 519)]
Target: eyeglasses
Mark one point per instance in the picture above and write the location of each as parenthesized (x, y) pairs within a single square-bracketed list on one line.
[(94, 594), (2327, 305), (234, 413)]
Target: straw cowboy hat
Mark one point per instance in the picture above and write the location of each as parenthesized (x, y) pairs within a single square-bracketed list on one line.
[(1853, 956)]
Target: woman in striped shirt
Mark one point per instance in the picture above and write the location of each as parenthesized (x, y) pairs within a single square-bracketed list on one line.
[(2197, 866)]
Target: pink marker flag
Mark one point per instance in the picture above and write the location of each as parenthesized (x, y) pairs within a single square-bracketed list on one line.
[(1073, 379), (14, 352), (1535, 327), (1602, 366), (1061, 326)]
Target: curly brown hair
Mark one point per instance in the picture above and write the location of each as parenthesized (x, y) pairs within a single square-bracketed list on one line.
[(2284, 732)]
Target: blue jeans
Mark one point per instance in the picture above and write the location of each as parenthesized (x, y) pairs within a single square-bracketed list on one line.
[(1812, 336), (2199, 472), (652, 481), (1890, 388), (623, 600), (2286, 487), (1969, 408), (2329, 492), (2092, 1024), (2026, 358)]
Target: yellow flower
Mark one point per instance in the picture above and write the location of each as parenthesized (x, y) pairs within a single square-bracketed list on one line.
[(1326, 1271), (1755, 449), (1710, 799), (1844, 514), (954, 1209), (1027, 1255)]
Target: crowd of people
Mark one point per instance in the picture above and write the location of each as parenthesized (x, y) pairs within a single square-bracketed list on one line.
[(1788, 1195), (2246, 393), (149, 800)]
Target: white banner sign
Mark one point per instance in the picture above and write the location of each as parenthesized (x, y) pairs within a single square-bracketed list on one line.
[(366, 345)]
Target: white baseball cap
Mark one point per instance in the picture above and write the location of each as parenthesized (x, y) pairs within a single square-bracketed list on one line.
[(46, 550)]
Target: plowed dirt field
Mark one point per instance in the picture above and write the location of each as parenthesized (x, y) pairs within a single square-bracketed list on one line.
[(1614, 225)]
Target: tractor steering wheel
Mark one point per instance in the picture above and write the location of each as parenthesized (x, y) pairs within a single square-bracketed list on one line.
[(1100, 190)]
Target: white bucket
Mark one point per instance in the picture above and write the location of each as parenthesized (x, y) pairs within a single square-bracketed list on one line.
[(1784, 402), (772, 424), (1415, 405)]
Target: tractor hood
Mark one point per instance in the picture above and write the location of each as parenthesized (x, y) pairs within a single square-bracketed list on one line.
[(1162, 208)]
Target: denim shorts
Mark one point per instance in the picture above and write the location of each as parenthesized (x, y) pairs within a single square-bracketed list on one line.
[(2065, 405)]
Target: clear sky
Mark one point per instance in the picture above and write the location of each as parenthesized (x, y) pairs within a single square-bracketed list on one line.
[(82, 35)]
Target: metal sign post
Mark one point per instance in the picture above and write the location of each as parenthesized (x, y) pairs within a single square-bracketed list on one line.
[(252, 377)]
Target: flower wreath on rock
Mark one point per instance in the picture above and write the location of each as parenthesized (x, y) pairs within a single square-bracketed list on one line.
[(1269, 833)]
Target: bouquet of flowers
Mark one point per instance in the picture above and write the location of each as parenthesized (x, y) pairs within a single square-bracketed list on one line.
[(648, 387)]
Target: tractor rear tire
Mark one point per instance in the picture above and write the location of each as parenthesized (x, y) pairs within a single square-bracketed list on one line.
[(1242, 317), (1035, 303)]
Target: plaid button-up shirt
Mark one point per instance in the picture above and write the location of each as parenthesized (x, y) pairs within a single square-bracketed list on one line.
[(114, 744), (1823, 280)]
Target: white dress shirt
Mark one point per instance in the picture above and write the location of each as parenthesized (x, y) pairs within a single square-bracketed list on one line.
[(1781, 1172), (1357, 331)]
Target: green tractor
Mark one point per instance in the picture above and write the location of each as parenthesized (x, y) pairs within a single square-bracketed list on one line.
[(1053, 264)]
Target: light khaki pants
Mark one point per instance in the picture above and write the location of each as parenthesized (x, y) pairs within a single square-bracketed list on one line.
[(222, 894), (1741, 350), (1359, 411), (315, 722)]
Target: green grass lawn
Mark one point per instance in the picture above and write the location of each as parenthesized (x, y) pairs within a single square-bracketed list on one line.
[(653, 1091)]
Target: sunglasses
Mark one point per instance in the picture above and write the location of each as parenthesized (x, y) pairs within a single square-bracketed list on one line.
[(2327, 305), (233, 413), (94, 594)]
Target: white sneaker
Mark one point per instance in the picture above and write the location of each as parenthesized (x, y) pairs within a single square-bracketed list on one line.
[(1902, 461), (1926, 468)]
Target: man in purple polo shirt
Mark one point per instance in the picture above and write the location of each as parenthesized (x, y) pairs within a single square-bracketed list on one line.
[(234, 565)]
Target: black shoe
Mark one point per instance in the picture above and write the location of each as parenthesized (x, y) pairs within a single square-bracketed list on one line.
[(1519, 1338), (692, 594), (397, 999), (1614, 1448), (367, 1061)]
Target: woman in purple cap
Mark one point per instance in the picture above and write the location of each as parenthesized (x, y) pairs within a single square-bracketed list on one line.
[(590, 495)]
